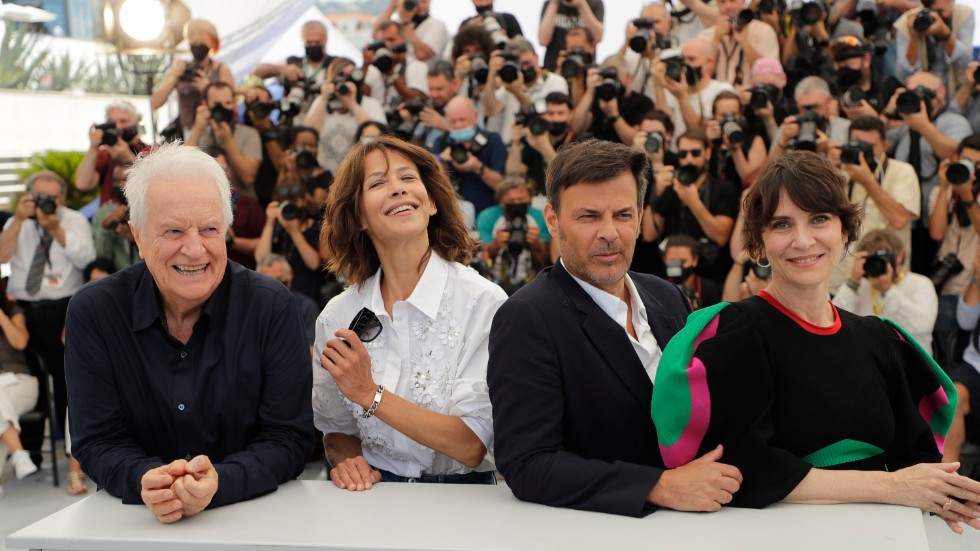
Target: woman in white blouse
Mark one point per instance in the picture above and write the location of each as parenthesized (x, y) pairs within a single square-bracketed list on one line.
[(410, 401)]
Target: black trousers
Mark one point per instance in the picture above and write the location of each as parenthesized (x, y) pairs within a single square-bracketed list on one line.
[(45, 323)]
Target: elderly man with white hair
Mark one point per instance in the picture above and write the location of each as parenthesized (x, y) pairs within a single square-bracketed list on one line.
[(189, 375), (110, 147)]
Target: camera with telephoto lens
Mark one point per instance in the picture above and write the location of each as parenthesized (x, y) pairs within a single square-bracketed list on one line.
[(289, 211), (655, 140), (459, 151), (923, 20), (806, 13), (688, 174), (742, 20), (763, 94), (675, 271), (492, 26), (733, 128), (383, 57), (340, 87), (961, 172), (944, 268), (645, 35), (297, 92), (261, 109), (414, 106), (304, 159), (853, 97), (517, 227), (220, 113), (511, 68), (191, 71), (110, 134), (529, 117), (851, 152), (910, 101), (480, 69), (810, 122), (46, 203), (577, 60), (677, 69), (409, 5), (610, 86), (877, 262)]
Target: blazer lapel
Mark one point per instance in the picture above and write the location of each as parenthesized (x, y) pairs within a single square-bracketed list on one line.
[(608, 337), (664, 324)]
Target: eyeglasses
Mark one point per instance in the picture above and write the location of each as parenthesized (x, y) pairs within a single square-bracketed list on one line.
[(365, 325), (287, 191), (682, 153)]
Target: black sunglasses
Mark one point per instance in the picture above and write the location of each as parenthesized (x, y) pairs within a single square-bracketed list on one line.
[(365, 325), (682, 153)]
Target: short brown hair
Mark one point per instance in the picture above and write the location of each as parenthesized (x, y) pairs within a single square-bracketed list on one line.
[(594, 161), (353, 255), (876, 239), (810, 182)]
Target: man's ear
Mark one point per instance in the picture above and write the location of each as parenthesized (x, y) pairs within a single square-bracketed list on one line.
[(551, 219)]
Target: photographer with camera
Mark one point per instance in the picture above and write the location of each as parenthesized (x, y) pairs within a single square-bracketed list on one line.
[(389, 75), (560, 16), (537, 136), (430, 119), (472, 47), (681, 258), (258, 113), (609, 109), (47, 245), (191, 78), (112, 237), (501, 26), (112, 143), (938, 38), (861, 91), (745, 279), (514, 82), (215, 125), (576, 59), (688, 79), (965, 372), (807, 48), (766, 105), (339, 109), (737, 40), (812, 129), (966, 101), (886, 189), (475, 158), (693, 202), (954, 222), (302, 76), (647, 40), (736, 154), (427, 35), (878, 285), (514, 235)]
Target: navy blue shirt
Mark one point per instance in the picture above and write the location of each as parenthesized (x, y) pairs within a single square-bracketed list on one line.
[(472, 187), (238, 391)]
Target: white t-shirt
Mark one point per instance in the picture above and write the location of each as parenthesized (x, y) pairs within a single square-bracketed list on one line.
[(434, 33), (701, 102), (338, 131), (416, 77), (544, 85)]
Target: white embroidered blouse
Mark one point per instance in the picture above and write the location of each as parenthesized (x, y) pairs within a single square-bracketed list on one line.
[(432, 352)]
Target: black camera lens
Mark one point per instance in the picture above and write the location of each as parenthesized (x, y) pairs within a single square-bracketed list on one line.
[(922, 22), (875, 266), (289, 210), (479, 68), (261, 109), (853, 96), (908, 102), (459, 153), (653, 143), (810, 13), (220, 113), (944, 268), (743, 19), (304, 159), (410, 5), (733, 130), (688, 174), (961, 172), (45, 203)]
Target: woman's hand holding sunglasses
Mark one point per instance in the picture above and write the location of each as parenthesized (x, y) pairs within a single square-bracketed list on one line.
[(348, 362)]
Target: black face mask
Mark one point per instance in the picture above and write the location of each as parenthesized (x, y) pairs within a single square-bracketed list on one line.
[(315, 53), (693, 75), (530, 74), (557, 128), (200, 52), (847, 77)]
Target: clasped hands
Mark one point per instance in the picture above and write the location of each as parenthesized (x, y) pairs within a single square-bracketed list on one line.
[(180, 489)]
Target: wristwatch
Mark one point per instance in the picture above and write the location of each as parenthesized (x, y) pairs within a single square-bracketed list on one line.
[(479, 171)]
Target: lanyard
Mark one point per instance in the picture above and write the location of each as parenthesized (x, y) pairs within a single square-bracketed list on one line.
[(875, 306)]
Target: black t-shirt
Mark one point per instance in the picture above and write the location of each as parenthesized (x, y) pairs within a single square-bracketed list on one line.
[(631, 108), (535, 162), (566, 19)]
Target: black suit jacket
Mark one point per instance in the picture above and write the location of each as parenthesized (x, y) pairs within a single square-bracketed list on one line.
[(571, 400)]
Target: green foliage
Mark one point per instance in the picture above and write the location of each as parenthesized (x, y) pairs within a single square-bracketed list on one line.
[(63, 163), (64, 73), (108, 76), (18, 62)]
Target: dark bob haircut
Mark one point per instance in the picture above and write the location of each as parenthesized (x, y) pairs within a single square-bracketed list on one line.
[(352, 254), (811, 183)]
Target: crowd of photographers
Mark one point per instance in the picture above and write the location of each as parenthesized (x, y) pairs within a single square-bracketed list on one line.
[(886, 89)]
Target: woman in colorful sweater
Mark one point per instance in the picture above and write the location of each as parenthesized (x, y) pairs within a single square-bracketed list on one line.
[(813, 404)]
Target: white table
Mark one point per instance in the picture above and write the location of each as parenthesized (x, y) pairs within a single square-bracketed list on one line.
[(316, 516)]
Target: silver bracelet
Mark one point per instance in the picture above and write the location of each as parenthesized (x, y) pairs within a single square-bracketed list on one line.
[(374, 405)]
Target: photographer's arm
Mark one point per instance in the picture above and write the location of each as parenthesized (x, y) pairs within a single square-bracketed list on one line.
[(708, 14), (546, 30), (8, 240), (491, 106), (732, 289), (317, 114), (245, 167), (591, 21), (717, 228), (86, 177), (264, 245), (514, 150), (938, 221), (162, 92), (893, 211), (582, 116), (747, 167)]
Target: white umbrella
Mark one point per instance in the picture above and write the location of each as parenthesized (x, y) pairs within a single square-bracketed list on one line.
[(25, 14)]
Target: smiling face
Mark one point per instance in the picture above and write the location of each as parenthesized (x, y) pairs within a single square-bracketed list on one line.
[(395, 206), (596, 229), (803, 247), (183, 240)]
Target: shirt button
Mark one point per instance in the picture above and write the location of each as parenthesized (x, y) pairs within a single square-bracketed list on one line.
[(180, 407), (183, 354)]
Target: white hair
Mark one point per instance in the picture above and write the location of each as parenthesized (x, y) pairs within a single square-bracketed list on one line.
[(123, 105), (809, 85), (173, 161)]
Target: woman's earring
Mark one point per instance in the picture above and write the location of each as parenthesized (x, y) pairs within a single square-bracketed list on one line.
[(761, 265)]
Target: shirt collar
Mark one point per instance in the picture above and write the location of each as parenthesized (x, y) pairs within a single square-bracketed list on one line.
[(426, 296), (613, 306), (148, 304)]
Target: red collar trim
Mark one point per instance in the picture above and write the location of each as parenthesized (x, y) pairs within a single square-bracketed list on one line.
[(807, 326)]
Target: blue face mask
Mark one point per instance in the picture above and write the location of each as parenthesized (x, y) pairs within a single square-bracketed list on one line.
[(463, 134)]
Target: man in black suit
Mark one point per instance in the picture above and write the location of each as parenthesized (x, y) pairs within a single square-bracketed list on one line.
[(573, 355)]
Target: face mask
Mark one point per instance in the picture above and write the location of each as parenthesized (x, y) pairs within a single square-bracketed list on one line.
[(677, 273), (463, 134), (557, 128), (847, 77), (530, 74), (314, 53), (200, 51)]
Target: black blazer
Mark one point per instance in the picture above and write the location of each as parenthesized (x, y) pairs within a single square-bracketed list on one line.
[(571, 401)]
